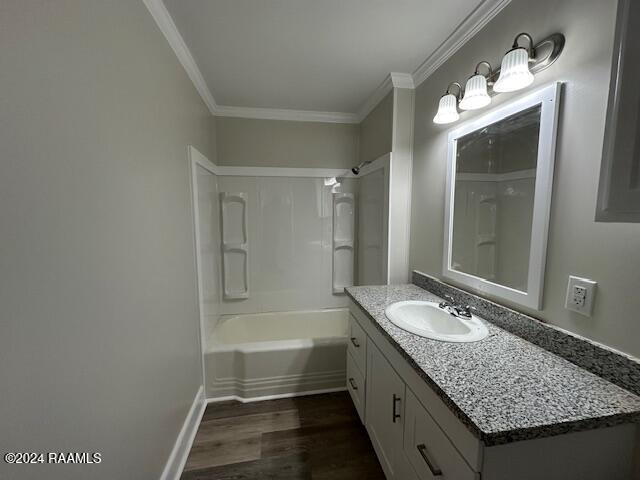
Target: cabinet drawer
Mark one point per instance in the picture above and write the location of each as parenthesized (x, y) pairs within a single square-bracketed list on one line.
[(428, 448), (355, 385), (357, 344)]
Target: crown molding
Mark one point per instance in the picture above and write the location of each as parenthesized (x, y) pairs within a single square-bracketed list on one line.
[(286, 114), (163, 18), (471, 25), (402, 80), (394, 79)]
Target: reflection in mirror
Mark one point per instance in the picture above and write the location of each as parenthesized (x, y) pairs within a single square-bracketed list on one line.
[(494, 198)]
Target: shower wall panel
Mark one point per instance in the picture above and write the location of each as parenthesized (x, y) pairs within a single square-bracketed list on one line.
[(209, 242), (290, 225)]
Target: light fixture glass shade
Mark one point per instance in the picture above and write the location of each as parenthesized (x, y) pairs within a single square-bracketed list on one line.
[(475, 93), (514, 71), (447, 109)]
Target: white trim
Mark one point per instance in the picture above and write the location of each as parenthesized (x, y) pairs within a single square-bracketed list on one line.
[(274, 397), (286, 114), (180, 451), (226, 171), (471, 25), (400, 185), (203, 161), (549, 99), (410, 196), (402, 80), (282, 172), (163, 18)]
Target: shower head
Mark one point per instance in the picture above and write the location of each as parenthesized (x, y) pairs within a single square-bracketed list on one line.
[(356, 169)]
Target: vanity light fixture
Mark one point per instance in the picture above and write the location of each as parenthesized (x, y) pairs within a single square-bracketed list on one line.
[(475, 91), (514, 71), (448, 106)]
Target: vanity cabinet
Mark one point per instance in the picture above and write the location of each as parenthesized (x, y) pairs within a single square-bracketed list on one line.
[(385, 410), (417, 437)]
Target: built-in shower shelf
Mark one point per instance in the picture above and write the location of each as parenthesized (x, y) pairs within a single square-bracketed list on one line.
[(343, 241), (235, 245)]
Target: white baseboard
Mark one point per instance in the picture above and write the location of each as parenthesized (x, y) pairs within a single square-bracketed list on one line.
[(274, 397), (178, 458)]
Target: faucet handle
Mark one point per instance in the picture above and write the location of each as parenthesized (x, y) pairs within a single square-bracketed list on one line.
[(448, 297), (467, 309)]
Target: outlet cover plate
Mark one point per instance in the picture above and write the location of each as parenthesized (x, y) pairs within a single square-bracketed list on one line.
[(581, 294)]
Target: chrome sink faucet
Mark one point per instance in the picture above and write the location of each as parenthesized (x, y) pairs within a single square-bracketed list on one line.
[(450, 306)]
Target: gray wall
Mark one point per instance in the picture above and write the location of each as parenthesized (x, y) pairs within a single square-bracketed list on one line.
[(376, 130), (605, 252), (279, 143), (98, 331)]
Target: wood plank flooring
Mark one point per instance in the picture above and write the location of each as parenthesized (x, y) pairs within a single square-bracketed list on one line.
[(318, 437)]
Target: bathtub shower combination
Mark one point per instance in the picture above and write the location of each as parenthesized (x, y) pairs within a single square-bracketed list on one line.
[(266, 354), (274, 255)]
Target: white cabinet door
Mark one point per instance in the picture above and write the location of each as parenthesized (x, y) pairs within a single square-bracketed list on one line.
[(356, 386), (384, 411), (428, 448), (357, 345)]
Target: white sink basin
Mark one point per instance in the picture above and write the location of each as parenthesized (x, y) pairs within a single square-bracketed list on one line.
[(428, 320)]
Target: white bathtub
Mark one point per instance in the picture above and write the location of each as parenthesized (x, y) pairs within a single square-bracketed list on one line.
[(271, 354)]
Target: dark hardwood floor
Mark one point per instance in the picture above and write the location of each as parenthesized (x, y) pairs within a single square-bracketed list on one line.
[(315, 437)]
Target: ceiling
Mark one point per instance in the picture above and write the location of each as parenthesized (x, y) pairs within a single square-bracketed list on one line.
[(311, 55)]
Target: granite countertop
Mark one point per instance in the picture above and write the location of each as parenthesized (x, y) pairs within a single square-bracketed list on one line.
[(503, 388)]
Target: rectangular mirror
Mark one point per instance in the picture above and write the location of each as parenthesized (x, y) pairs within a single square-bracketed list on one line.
[(499, 181)]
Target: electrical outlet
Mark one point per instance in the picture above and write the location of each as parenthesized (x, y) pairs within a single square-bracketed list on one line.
[(580, 295)]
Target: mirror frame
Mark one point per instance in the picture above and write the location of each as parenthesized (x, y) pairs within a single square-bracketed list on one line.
[(549, 99)]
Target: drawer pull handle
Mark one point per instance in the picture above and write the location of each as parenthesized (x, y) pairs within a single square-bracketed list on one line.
[(396, 400), (435, 471), (353, 384), (355, 342)]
